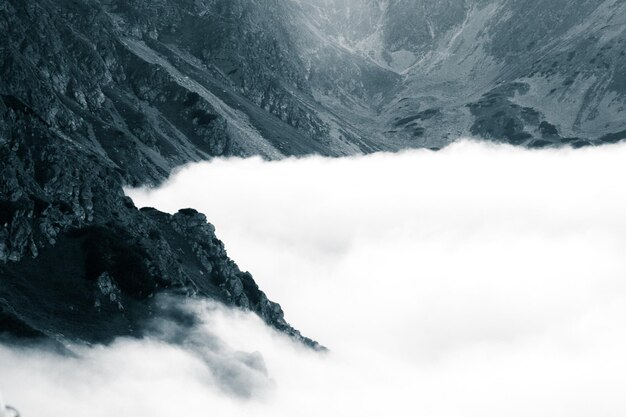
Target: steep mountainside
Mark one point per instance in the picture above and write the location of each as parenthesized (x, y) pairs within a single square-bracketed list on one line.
[(99, 94), (87, 106), (534, 73), (528, 72)]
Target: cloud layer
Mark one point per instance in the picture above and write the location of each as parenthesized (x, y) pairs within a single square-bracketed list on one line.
[(481, 280)]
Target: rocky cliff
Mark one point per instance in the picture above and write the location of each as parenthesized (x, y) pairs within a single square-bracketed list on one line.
[(85, 110), (78, 260)]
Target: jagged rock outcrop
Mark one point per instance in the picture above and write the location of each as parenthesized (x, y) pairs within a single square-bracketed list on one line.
[(79, 260), (84, 112)]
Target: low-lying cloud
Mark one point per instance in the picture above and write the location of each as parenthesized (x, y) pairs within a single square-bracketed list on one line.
[(481, 280)]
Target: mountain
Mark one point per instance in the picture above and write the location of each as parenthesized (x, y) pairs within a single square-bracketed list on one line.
[(529, 72), (96, 95), (526, 72), (87, 108)]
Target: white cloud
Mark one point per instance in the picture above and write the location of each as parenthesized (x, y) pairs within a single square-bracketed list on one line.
[(481, 280)]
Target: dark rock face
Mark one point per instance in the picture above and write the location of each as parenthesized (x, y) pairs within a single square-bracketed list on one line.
[(78, 260), (81, 115)]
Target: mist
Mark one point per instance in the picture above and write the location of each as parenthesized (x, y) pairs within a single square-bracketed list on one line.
[(481, 280)]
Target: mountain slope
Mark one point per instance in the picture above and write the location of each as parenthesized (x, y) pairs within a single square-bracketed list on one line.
[(526, 72), (96, 95), (86, 110)]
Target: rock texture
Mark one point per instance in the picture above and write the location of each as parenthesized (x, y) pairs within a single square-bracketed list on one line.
[(529, 72), (80, 261), (85, 111)]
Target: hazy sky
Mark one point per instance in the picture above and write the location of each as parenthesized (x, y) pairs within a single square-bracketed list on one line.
[(476, 281)]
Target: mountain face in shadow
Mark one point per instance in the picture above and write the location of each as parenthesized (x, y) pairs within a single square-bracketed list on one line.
[(96, 95)]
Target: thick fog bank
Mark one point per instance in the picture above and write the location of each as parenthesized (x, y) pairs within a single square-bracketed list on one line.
[(480, 280)]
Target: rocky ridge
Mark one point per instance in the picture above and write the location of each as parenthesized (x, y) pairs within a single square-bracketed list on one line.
[(84, 112), (80, 261)]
